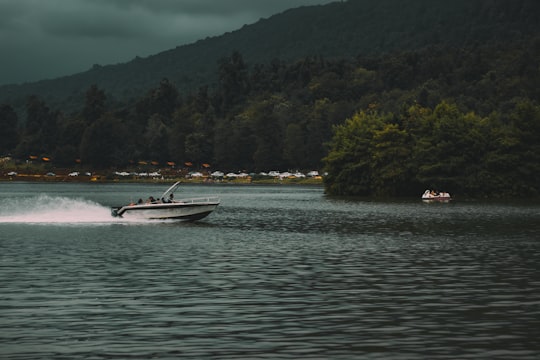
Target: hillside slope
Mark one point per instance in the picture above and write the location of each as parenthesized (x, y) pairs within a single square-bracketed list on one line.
[(335, 30)]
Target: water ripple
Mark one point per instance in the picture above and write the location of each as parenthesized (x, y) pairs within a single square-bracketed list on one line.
[(338, 280)]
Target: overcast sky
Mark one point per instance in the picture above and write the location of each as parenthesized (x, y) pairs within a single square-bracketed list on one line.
[(44, 39)]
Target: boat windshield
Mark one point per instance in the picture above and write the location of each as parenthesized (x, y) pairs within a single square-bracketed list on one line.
[(170, 190)]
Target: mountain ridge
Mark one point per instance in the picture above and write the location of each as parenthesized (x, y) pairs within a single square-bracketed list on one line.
[(339, 30)]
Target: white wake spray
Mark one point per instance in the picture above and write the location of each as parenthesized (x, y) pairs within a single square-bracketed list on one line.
[(45, 209)]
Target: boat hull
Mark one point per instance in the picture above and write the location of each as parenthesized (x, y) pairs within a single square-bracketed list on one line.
[(437, 199), (179, 211)]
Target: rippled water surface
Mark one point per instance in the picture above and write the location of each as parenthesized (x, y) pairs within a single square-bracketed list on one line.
[(274, 272)]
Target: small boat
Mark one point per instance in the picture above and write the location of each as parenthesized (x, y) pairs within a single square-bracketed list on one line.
[(167, 207), (430, 195)]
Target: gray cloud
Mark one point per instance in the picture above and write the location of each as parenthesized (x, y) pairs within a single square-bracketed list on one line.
[(46, 39)]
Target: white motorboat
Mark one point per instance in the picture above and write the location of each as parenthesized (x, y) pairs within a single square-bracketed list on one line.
[(167, 207), (430, 195)]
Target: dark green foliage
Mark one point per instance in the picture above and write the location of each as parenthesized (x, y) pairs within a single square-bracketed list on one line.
[(156, 139), (461, 153), (9, 135), (436, 97), (105, 143), (349, 162), (343, 29), (94, 106), (294, 149), (40, 135)]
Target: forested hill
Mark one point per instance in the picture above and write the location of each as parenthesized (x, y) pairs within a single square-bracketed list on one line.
[(387, 99), (336, 30)]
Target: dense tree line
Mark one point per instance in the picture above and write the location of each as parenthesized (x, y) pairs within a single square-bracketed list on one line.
[(381, 154), (283, 115)]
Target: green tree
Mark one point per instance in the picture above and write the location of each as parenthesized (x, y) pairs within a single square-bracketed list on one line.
[(233, 81), (502, 155), (37, 113), (294, 149), (49, 132), (390, 161), (349, 161), (156, 139), (71, 131), (163, 100), (39, 130), (199, 143), (226, 147), (268, 134), (9, 136), (95, 104), (525, 119), (458, 148), (105, 143), (318, 121), (65, 155)]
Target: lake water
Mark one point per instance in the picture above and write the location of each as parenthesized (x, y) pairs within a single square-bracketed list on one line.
[(276, 272)]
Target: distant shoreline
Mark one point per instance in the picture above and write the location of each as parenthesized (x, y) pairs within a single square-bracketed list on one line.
[(199, 181)]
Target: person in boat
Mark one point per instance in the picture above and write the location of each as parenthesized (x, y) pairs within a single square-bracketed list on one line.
[(139, 202), (169, 200), (151, 200)]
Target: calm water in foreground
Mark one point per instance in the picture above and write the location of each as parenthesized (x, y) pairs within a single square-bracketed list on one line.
[(275, 272)]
